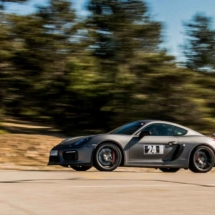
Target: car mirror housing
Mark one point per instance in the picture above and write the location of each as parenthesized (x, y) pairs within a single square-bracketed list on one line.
[(144, 133)]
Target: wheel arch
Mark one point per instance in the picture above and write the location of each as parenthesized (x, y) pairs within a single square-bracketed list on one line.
[(192, 151), (115, 143)]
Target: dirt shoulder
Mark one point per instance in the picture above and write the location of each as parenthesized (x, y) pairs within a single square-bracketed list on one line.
[(26, 145), (26, 151)]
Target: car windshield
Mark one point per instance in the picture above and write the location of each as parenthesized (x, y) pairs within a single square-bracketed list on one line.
[(128, 128)]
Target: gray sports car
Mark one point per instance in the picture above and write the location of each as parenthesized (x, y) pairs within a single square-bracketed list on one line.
[(145, 143)]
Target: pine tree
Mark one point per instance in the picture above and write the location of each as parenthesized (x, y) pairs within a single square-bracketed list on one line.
[(120, 30), (43, 45), (5, 52), (199, 48)]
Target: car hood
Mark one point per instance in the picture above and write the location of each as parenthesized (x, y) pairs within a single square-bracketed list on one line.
[(96, 139), (71, 140), (67, 142)]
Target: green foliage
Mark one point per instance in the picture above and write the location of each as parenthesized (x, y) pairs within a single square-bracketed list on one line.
[(199, 48), (94, 74)]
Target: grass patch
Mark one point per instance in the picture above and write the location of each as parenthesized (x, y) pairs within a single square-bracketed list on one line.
[(3, 131)]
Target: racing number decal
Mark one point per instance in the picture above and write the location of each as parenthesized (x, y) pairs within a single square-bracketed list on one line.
[(152, 149)]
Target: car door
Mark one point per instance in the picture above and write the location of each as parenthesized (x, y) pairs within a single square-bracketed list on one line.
[(159, 147)]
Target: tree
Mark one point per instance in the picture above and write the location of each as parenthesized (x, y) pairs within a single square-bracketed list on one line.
[(118, 31), (199, 48), (43, 46), (98, 73), (121, 28), (5, 53)]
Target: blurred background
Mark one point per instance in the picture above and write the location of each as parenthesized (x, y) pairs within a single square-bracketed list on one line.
[(84, 67)]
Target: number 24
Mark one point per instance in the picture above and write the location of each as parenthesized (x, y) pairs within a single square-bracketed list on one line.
[(152, 149)]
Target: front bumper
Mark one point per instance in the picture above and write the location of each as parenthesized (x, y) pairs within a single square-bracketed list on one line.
[(72, 157)]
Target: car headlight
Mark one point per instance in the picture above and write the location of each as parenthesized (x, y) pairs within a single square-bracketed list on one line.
[(82, 141)]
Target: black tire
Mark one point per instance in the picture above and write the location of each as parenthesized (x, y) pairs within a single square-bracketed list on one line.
[(169, 169), (107, 157), (202, 160), (81, 168)]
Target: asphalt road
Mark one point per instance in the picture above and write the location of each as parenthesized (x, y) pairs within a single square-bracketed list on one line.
[(126, 191)]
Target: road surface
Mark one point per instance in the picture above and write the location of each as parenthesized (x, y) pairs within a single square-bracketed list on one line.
[(126, 191)]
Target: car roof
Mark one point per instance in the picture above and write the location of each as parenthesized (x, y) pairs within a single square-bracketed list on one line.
[(190, 131)]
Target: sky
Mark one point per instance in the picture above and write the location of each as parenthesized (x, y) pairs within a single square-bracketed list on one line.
[(172, 13)]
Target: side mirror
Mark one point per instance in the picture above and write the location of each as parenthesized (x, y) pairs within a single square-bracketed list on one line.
[(144, 133)]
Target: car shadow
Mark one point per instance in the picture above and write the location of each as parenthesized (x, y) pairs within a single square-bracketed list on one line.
[(84, 179)]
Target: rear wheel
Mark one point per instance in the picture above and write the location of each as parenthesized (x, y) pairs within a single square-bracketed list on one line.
[(107, 157), (202, 160), (169, 169), (80, 168)]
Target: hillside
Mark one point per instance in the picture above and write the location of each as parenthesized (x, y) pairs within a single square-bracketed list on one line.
[(26, 146)]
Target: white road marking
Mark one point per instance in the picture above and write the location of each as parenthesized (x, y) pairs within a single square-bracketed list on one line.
[(125, 186)]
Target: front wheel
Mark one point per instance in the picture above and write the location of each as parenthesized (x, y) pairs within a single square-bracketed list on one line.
[(107, 157), (202, 160), (80, 168), (169, 169)]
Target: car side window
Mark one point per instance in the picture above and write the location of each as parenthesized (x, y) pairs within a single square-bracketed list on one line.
[(179, 131), (159, 129)]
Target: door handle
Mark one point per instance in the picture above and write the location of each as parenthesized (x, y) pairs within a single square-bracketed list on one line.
[(172, 143)]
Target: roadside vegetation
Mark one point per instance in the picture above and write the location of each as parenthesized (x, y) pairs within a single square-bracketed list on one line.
[(91, 74)]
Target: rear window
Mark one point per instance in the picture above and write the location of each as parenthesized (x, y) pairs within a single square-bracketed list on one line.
[(179, 131)]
